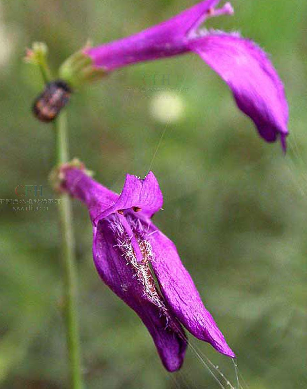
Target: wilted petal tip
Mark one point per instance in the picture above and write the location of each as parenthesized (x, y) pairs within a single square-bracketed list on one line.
[(255, 84)]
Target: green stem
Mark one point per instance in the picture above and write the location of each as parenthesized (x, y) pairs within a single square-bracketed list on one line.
[(62, 152), (44, 69), (69, 262), (45, 72), (67, 236)]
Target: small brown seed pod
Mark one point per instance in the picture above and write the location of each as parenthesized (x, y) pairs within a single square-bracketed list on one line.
[(51, 101)]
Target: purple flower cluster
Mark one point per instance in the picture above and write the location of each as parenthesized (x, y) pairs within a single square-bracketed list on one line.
[(257, 88), (141, 265), (132, 256)]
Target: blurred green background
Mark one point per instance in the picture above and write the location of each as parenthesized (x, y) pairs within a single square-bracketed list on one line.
[(235, 206)]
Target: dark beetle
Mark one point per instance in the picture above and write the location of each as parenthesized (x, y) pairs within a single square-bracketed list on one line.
[(48, 104)]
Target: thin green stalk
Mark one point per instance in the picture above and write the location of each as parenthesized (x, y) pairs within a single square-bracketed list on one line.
[(38, 56), (62, 152), (69, 262), (41, 61), (45, 72)]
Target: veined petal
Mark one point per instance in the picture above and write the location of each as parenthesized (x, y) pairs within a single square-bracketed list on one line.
[(166, 39), (257, 89), (112, 257), (143, 195), (78, 184), (181, 294)]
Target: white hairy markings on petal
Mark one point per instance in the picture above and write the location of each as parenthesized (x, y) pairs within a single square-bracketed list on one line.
[(142, 269)]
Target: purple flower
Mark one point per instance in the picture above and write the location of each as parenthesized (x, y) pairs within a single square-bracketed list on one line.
[(141, 265), (256, 87)]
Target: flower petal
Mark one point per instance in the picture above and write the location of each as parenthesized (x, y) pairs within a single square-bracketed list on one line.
[(120, 277), (144, 195), (181, 294), (79, 185), (257, 88), (163, 40)]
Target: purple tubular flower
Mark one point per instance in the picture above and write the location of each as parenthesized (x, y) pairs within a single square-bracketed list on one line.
[(257, 88), (141, 265)]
